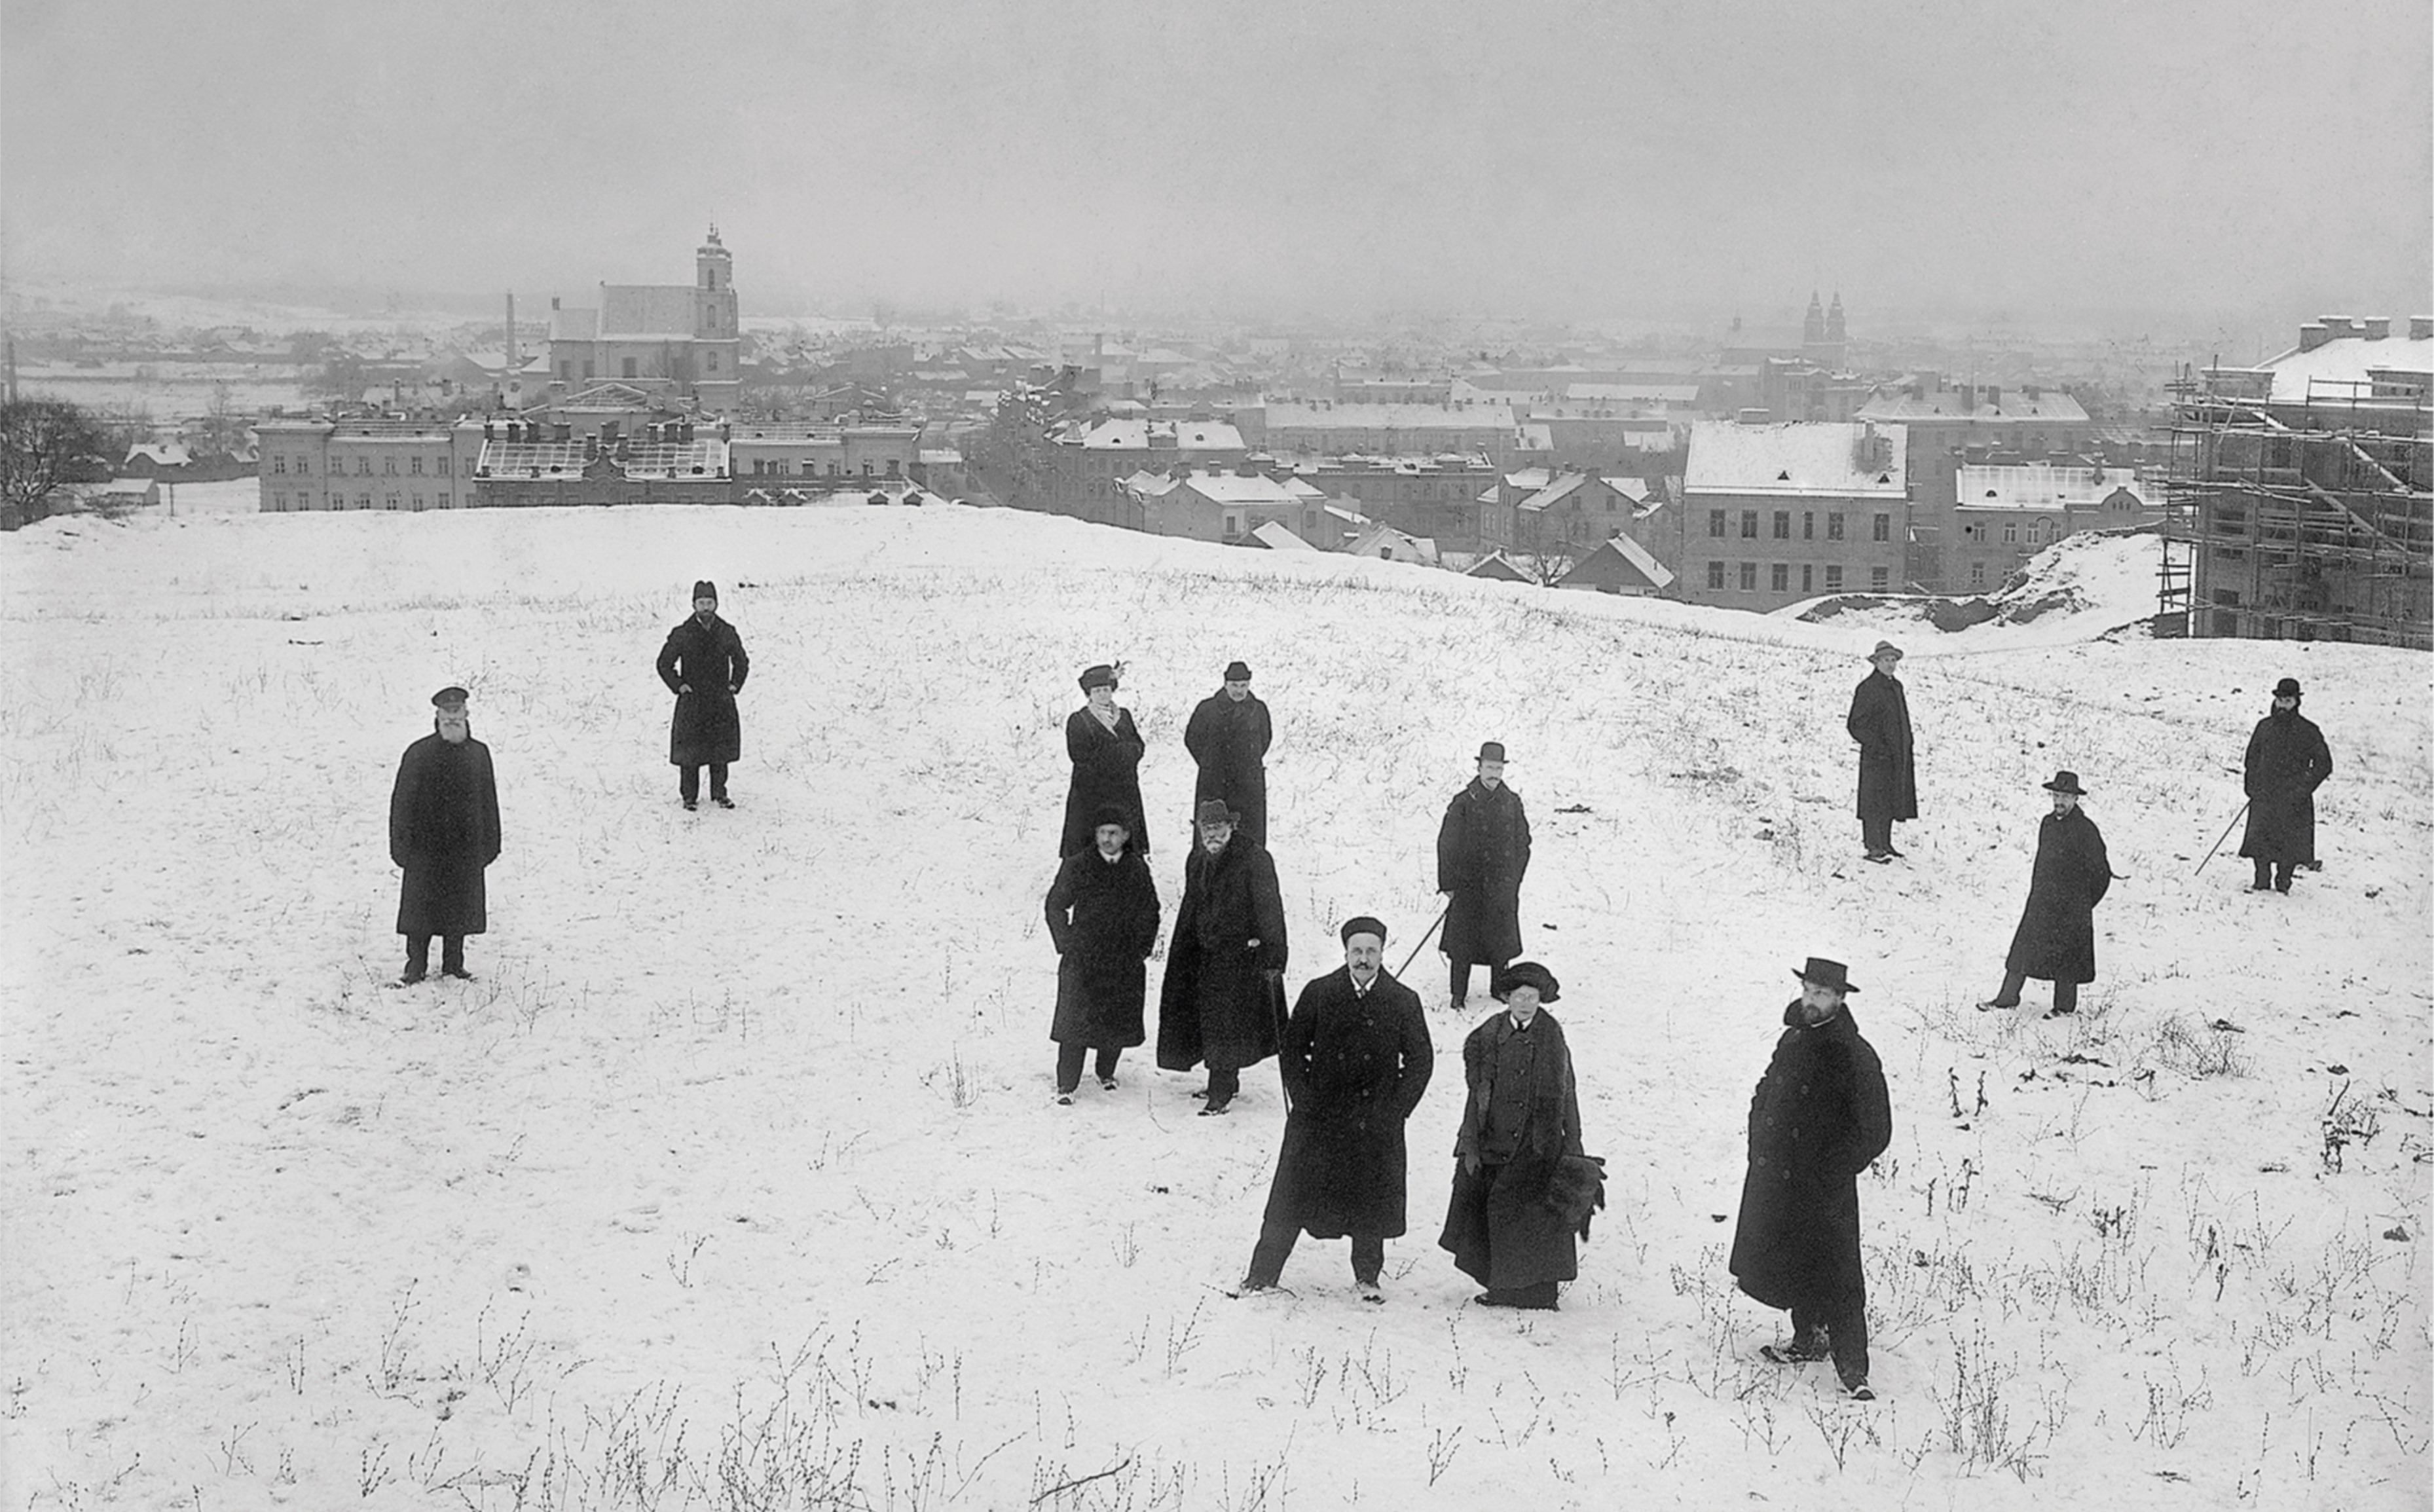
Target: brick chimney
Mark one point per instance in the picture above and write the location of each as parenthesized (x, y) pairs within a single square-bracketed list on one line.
[(2421, 327), (2376, 328), (2312, 335), (2337, 326)]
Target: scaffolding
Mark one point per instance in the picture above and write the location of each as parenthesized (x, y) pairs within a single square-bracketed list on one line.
[(2299, 519)]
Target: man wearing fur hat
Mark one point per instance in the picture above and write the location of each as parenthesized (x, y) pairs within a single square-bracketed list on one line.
[(2286, 761), (2056, 940), (1819, 1116), (443, 830), (1483, 852), (1879, 721), (1356, 1058), (1222, 1001), (704, 665), (1506, 1223), (1229, 736)]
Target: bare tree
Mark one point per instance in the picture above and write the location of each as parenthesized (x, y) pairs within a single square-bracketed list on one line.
[(44, 443)]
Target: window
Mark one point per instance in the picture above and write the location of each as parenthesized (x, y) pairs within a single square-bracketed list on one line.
[(1833, 578), (391, 504), (388, 466), (714, 361), (1716, 526), (1233, 524), (363, 466), (418, 504), (1977, 574), (1807, 578), (625, 368), (415, 467), (1880, 577), (1749, 577), (587, 367), (279, 502), (1715, 574), (303, 467), (1778, 578), (566, 367), (1883, 529), (1783, 524), (279, 464), (1808, 525), (892, 466), (1834, 525), (444, 467), (363, 501), (2011, 533), (1749, 524)]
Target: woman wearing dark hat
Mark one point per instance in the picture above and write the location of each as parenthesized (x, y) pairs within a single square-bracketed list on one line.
[(1819, 1116), (1522, 1117), (2056, 939), (2286, 761), (703, 663), (1106, 748), (1103, 914)]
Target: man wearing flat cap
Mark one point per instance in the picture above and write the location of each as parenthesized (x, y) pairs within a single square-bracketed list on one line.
[(2286, 761), (1356, 1058), (1879, 721), (703, 663), (2056, 939), (1223, 998), (1229, 736), (1482, 851), (1819, 1116), (443, 830)]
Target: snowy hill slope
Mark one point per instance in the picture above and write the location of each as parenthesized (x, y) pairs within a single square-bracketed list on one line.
[(734, 1181)]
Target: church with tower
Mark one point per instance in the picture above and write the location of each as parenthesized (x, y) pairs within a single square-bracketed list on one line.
[(670, 341), (1823, 339)]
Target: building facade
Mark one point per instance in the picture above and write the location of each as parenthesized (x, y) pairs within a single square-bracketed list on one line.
[(1775, 513), (2007, 513), (1949, 424), (678, 341), (372, 463)]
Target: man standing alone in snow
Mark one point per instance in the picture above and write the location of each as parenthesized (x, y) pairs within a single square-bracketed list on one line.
[(704, 665), (1879, 721), (443, 830), (2286, 761)]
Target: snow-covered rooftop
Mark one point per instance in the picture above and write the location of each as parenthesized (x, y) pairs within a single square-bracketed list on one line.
[(2331, 369), (1796, 457), (2044, 486)]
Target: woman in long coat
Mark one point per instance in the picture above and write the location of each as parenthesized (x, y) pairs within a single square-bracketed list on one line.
[(1219, 1002), (1105, 746), (1522, 1117), (2056, 940), (1103, 914)]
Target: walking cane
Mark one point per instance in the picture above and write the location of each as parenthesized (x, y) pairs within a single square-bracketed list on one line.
[(1424, 940), (1273, 983), (2221, 838)]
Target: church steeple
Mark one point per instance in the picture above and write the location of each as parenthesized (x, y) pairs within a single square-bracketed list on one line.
[(1834, 321), (1812, 330)]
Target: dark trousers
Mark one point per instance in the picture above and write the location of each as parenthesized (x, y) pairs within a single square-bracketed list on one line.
[(1276, 1238), (418, 954), (1877, 833), (1069, 1064), (2273, 874), (1223, 1082), (1458, 981), (688, 781), (2066, 994), (1846, 1325)]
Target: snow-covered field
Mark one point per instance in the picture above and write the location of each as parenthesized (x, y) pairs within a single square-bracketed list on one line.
[(734, 1180)]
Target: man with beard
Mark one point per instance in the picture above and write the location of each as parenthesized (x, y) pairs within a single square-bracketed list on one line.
[(1222, 999), (2286, 761), (1482, 850), (704, 665), (443, 830), (1229, 736)]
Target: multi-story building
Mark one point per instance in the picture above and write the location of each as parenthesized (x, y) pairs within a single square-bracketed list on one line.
[(1452, 499), (1325, 428), (848, 451), (672, 339), (1228, 507), (369, 463), (1775, 513), (1945, 423), (1082, 465), (2007, 514)]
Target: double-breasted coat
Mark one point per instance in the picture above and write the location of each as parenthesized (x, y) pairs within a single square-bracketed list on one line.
[(1483, 852), (1355, 1065), (1819, 1116), (1107, 774), (1521, 1116), (709, 659), (2286, 761), (443, 830), (1102, 916), (1879, 721), (1229, 740), (1217, 1003), (2056, 940)]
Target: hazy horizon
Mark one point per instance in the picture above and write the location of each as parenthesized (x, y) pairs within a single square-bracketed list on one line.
[(2233, 168)]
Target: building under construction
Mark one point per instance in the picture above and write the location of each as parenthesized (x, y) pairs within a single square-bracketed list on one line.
[(2303, 491)]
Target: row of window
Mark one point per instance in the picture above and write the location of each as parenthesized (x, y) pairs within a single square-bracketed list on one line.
[(778, 467), (303, 466), (2040, 531), (1778, 576), (281, 503), (1880, 526)]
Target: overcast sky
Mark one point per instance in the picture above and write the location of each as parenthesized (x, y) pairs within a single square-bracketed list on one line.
[(2244, 161)]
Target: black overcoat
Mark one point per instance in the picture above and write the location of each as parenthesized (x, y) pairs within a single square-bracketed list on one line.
[(1355, 1066), (443, 829), (1819, 1116), (1501, 1227), (1102, 916), (1879, 721), (1482, 851), (2286, 761), (1107, 771), (1230, 741), (1217, 1003), (710, 659), (2056, 940)]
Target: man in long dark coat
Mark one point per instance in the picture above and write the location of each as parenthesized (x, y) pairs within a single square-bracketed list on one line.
[(1482, 851), (2286, 761), (1879, 721), (1103, 914), (1229, 736), (1819, 1116), (703, 663), (1356, 1058), (443, 830), (1105, 747), (1223, 998), (2056, 939)]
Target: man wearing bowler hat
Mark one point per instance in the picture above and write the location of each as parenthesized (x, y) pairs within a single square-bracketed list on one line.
[(1356, 1058), (1222, 1001), (1229, 736), (1879, 721), (443, 830), (2056, 939), (1482, 850), (704, 665), (1819, 1116), (2286, 761)]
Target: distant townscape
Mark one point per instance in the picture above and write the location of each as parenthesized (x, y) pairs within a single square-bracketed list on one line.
[(1769, 469)]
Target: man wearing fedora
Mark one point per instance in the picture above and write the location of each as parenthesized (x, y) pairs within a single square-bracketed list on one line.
[(2286, 761), (1222, 1001), (1819, 1116), (704, 665), (1482, 851), (443, 831), (2056, 940), (1228, 735), (1879, 721), (1356, 1058)]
